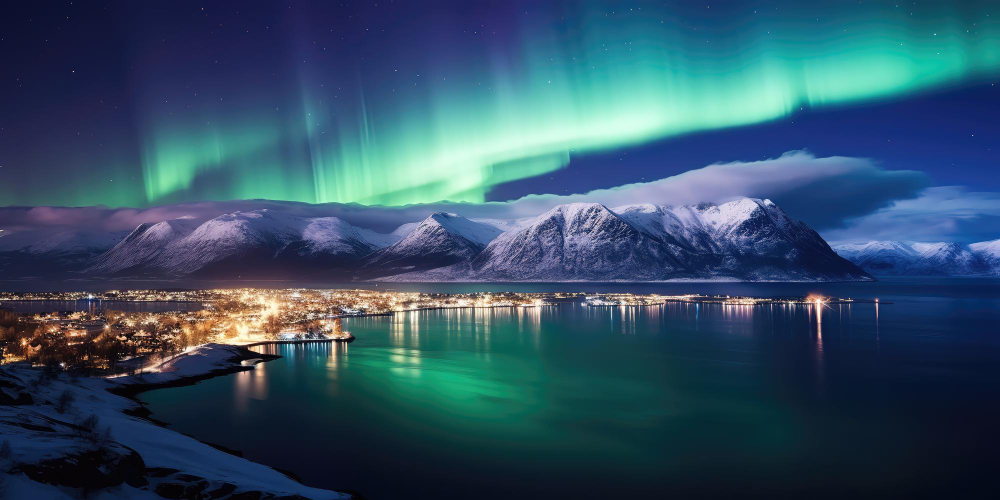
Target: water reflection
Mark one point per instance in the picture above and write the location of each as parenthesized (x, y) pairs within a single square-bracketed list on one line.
[(819, 325), (606, 402), (878, 341), (249, 385), (337, 359), (94, 306)]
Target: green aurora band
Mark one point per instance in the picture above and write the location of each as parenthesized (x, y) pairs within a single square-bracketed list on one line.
[(592, 82)]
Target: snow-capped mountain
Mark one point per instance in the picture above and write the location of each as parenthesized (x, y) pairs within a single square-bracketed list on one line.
[(894, 258), (746, 239), (143, 245), (989, 251), (260, 242), (71, 243), (54, 254), (879, 257), (582, 241), (946, 258), (440, 240)]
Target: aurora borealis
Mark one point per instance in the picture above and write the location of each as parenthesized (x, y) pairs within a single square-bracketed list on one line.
[(407, 102)]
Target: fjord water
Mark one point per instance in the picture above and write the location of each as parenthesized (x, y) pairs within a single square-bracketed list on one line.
[(612, 402)]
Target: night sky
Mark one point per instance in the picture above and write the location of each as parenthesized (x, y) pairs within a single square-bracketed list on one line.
[(141, 104)]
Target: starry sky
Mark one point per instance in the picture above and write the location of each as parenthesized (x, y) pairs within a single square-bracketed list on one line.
[(145, 104)]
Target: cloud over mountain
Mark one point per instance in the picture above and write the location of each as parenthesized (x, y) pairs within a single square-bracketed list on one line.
[(811, 188), (950, 213)]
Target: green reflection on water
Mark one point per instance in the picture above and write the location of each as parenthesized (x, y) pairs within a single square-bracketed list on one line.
[(595, 402)]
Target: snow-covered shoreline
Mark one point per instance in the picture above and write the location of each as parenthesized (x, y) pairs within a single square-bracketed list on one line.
[(191, 366), (66, 436)]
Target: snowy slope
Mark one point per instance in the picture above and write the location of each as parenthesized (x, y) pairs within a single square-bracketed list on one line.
[(53, 255), (745, 239), (880, 257), (379, 240), (66, 245), (75, 243), (124, 456), (924, 259), (403, 230), (330, 235), (989, 249), (442, 239), (258, 241), (233, 237), (946, 258), (579, 241), (989, 252), (502, 224), (143, 245)]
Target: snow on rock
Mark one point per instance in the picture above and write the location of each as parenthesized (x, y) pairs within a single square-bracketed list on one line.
[(440, 240), (503, 225), (331, 235), (746, 239), (143, 245), (989, 252), (76, 435), (73, 242), (987, 248), (230, 236), (53, 255), (258, 240), (924, 258), (203, 360), (479, 233), (379, 240), (403, 230), (583, 241)]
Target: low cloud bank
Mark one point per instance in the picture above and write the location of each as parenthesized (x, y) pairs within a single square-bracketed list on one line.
[(942, 213), (831, 193)]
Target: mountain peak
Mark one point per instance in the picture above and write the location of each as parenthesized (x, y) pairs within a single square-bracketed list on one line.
[(937, 248), (991, 248), (478, 233), (577, 211), (645, 241), (922, 259), (747, 239), (441, 239), (646, 208)]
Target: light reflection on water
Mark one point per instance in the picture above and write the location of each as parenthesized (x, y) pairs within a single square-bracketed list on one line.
[(94, 306), (622, 401), (250, 385)]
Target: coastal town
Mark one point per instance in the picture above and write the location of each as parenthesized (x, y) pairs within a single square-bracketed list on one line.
[(108, 333), (72, 362), (118, 332)]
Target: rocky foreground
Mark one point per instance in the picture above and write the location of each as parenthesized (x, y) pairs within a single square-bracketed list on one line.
[(67, 437)]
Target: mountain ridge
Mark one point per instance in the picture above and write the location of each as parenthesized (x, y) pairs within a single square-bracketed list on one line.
[(897, 258), (745, 239)]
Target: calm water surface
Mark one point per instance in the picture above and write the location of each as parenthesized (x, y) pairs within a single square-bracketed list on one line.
[(96, 306), (632, 402)]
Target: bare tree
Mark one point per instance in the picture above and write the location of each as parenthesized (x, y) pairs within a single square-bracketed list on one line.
[(64, 402)]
